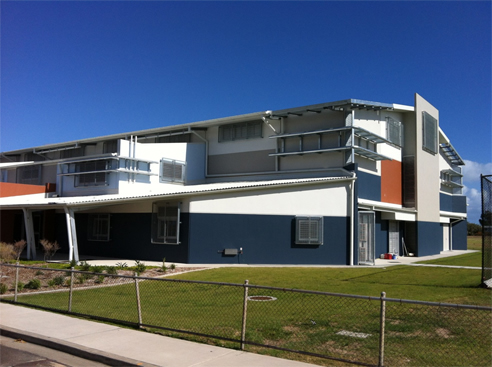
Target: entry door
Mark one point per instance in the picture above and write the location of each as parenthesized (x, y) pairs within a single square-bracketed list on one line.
[(394, 237), (445, 237), (366, 238)]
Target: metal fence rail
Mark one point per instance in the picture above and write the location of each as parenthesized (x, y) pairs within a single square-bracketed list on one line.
[(370, 331)]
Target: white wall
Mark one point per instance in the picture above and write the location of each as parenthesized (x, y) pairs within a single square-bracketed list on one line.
[(325, 199)]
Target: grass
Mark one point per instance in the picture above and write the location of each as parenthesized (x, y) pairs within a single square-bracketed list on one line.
[(415, 334), (473, 259)]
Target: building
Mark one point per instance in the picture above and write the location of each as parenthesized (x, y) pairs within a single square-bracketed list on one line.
[(332, 183)]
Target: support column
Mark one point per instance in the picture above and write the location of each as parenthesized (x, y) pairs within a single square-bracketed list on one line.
[(73, 249), (31, 244)]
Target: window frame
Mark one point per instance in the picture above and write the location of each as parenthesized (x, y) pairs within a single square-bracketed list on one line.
[(164, 215), (392, 127), (241, 131), (314, 235), (178, 169), (95, 176), (96, 231), (35, 174), (429, 127)]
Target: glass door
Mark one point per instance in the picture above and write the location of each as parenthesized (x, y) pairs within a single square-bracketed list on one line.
[(366, 238)]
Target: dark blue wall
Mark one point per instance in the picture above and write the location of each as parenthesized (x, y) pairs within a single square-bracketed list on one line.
[(429, 238), (459, 233), (265, 239), (130, 239), (369, 186), (381, 229), (452, 203)]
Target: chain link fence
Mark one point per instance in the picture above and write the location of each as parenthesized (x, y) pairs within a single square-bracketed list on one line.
[(486, 222), (327, 328)]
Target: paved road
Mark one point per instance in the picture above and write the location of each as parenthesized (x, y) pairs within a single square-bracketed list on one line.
[(17, 353)]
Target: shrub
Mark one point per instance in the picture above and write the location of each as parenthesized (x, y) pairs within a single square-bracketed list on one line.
[(33, 284), (121, 265), (3, 288), (139, 267), (20, 286), (6, 252), (111, 270), (39, 272), (173, 267), (100, 279), (81, 278), (58, 280), (50, 249), (51, 283), (68, 282), (18, 248), (97, 269), (73, 263), (84, 266)]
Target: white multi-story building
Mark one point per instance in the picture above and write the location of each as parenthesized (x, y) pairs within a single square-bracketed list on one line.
[(332, 183)]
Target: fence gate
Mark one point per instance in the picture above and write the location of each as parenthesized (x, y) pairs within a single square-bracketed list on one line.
[(366, 238)]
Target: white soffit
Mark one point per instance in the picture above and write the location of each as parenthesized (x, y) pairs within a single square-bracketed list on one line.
[(406, 217)]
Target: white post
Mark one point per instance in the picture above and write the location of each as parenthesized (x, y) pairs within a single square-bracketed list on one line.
[(31, 245), (73, 250)]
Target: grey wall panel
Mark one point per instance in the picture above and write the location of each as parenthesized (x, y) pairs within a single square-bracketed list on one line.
[(254, 161)]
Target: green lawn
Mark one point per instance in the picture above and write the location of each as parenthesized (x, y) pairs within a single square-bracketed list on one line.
[(472, 259), (416, 334)]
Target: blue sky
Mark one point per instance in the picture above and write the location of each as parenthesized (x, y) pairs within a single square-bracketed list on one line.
[(80, 69)]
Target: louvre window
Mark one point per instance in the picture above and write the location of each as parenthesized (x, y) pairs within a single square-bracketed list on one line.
[(172, 171), (309, 230), (429, 131), (240, 131), (29, 175), (394, 131), (99, 227), (165, 223)]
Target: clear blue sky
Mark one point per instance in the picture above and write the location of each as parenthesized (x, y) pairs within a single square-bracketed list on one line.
[(73, 70)]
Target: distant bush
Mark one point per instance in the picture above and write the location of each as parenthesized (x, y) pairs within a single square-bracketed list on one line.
[(139, 267), (3, 288), (20, 286), (33, 284), (111, 270), (84, 266)]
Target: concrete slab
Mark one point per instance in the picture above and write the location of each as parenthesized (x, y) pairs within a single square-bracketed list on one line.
[(119, 346)]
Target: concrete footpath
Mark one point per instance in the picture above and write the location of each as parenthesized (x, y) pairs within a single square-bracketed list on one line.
[(116, 346)]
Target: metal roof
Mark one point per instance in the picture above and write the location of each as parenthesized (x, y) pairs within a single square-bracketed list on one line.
[(169, 190)]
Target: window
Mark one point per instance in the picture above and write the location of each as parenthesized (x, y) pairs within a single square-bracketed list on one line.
[(429, 133), (394, 131), (92, 177), (99, 227), (172, 171), (240, 131), (309, 230), (110, 146), (408, 170), (165, 223), (70, 153), (29, 175)]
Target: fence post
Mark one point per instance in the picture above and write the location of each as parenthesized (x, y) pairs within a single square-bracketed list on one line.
[(137, 290), (71, 291), (381, 330), (16, 280), (245, 312)]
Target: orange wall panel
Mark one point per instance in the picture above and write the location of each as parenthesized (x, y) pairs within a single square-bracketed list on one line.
[(15, 189), (391, 182)]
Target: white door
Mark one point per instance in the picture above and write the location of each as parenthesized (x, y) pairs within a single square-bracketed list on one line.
[(394, 237), (366, 238), (445, 237)]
